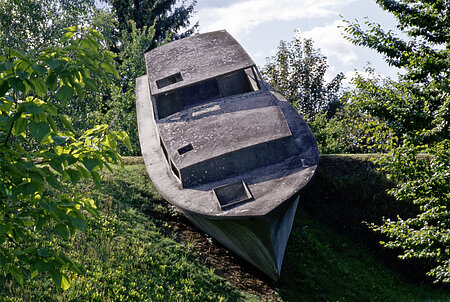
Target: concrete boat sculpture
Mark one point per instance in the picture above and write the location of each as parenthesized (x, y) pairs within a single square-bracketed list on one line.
[(222, 146)]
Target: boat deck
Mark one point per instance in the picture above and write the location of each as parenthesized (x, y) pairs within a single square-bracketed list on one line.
[(217, 128), (269, 186)]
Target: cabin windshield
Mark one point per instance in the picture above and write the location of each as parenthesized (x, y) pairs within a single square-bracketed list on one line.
[(238, 82)]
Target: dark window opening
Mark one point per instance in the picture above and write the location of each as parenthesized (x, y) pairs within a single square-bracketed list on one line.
[(185, 149), (200, 93), (238, 82), (176, 101), (175, 170), (235, 83), (172, 79), (232, 194), (168, 104)]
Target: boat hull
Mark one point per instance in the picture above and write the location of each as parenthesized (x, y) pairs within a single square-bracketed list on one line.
[(259, 240)]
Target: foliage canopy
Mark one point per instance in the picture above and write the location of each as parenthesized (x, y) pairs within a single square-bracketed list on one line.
[(297, 71), (168, 17), (415, 111), (39, 150)]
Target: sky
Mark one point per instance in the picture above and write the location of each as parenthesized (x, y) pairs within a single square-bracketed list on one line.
[(260, 25)]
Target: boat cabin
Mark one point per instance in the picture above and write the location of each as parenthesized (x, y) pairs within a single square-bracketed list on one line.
[(215, 118)]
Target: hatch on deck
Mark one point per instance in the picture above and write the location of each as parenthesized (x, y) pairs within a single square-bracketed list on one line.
[(232, 194)]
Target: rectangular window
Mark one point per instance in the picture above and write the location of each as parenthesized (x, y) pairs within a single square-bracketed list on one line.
[(185, 149), (168, 104), (172, 79)]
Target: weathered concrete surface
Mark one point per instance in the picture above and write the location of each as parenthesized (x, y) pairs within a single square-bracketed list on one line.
[(228, 137), (249, 135), (194, 58), (270, 185)]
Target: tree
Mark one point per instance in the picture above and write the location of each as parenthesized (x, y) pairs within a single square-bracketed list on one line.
[(131, 28), (297, 71), (168, 17), (33, 24), (34, 91), (416, 109), (122, 104), (424, 56)]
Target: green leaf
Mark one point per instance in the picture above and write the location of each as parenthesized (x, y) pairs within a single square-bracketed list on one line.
[(51, 81), (39, 130), (56, 164), (17, 274), (64, 283), (56, 276), (30, 107), (67, 36), (53, 181), (4, 87), (20, 126), (96, 34), (22, 75), (64, 94), (40, 69), (91, 163), (41, 222), (36, 177), (108, 67), (50, 108), (18, 54), (39, 86), (74, 175), (34, 273), (44, 253), (71, 29), (17, 84), (78, 222), (52, 123), (79, 90), (96, 178), (59, 140), (90, 83), (28, 188), (66, 121), (61, 230), (54, 64), (83, 172), (127, 143)]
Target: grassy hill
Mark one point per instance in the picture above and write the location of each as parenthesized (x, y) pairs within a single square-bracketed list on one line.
[(141, 249)]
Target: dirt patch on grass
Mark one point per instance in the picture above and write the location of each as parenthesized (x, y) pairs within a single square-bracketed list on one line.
[(225, 263)]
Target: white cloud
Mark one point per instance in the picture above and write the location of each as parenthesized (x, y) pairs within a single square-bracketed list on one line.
[(243, 16), (331, 42), (349, 75)]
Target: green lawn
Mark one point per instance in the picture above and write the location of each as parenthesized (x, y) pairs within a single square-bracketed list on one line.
[(129, 252)]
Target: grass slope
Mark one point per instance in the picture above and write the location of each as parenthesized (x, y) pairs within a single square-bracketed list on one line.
[(127, 255), (129, 252)]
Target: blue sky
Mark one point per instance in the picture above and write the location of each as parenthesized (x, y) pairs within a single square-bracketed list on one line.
[(259, 25)]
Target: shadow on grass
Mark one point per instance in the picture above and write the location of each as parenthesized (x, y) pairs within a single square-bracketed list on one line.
[(333, 256)]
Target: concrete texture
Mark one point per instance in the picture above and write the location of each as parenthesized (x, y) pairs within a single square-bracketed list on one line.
[(219, 54), (211, 129), (269, 185)]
